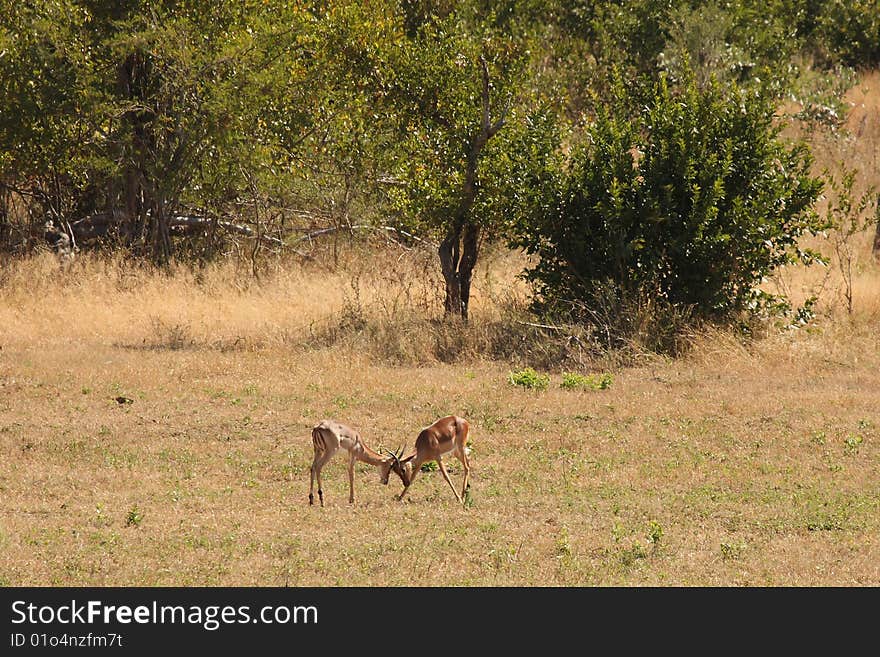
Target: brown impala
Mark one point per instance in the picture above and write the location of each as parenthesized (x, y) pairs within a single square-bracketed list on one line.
[(327, 438), (448, 435)]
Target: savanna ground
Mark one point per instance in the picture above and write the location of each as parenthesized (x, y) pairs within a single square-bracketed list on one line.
[(739, 463)]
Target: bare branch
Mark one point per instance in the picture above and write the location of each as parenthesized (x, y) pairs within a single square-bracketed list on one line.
[(391, 229)]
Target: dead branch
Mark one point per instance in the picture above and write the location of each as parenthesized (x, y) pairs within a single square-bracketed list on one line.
[(332, 229)]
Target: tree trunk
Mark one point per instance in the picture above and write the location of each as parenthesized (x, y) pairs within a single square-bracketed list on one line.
[(471, 249), (5, 223), (135, 144), (449, 259), (160, 238), (460, 248), (458, 257)]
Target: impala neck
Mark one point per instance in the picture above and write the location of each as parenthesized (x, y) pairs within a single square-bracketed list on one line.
[(370, 456)]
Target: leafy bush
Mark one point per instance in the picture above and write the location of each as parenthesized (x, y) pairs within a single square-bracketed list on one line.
[(529, 378), (849, 31), (572, 381), (680, 208)]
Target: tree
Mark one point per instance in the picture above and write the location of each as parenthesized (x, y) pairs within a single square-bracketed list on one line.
[(452, 80), (133, 113), (192, 99), (48, 112), (460, 246)]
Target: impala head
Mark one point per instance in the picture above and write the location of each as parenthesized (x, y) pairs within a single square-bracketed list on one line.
[(392, 463)]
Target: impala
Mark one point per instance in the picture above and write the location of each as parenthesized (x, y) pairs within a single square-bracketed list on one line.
[(327, 437), (448, 435)]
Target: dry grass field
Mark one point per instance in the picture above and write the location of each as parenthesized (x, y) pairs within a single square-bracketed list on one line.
[(737, 464)]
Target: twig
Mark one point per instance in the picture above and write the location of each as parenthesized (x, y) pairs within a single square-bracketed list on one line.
[(308, 237), (543, 326)]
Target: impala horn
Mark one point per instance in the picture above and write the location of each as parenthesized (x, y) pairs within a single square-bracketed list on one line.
[(395, 456)]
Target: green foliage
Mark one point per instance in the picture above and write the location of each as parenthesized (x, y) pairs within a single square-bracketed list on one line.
[(468, 500), (529, 378), (369, 112), (686, 203), (849, 31), (629, 556), (852, 443), (655, 533), (730, 551), (701, 39), (563, 544), (430, 81), (574, 381), (134, 517)]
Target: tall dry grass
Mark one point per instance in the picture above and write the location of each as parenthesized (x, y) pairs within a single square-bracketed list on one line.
[(382, 300), (389, 314)]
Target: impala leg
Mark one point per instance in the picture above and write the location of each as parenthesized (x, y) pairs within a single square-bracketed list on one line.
[(448, 480), (315, 473), (320, 461), (462, 456), (415, 469), (320, 488), (351, 461)]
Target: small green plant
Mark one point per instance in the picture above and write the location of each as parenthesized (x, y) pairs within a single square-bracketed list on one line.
[(629, 556), (825, 524), (429, 466), (529, 378), (573, 381), (852, 443), (731, 551), (655, 533), (563, 546), (134, 517), (468, 500)]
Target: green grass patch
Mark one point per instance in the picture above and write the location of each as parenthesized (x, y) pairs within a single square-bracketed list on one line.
[(529, 378), (573, 381)]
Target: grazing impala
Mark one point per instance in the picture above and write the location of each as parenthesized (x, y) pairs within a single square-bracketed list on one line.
[(327, 438), (448, 435)]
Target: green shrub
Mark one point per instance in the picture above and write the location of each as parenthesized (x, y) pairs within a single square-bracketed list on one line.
[(529, 378), (677, 210), (849, 31), (573, 381)]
